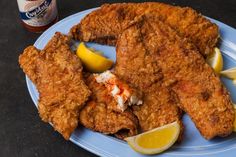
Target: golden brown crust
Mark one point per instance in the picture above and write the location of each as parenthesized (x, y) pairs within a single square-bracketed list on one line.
[(97, 117), (105, 24), (140, 69), (100, 113), (57, 74), (155, 50)]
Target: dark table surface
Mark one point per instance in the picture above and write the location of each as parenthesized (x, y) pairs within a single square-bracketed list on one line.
[(22, 133)]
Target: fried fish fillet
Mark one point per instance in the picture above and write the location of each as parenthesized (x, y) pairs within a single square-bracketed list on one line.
[(57, 74), (106, 23), (121, 92), (150, 55), (100, 114)]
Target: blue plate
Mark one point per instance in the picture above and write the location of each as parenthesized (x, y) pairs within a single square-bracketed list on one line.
[(192, 145)]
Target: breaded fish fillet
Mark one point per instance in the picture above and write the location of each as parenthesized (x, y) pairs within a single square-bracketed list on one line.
[(57, 74), (150, 53), (106, 23), (99, 114), (141, 71)]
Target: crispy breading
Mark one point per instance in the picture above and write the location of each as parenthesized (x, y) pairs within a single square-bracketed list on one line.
[(100, 114), (57, 74), (151, 53), (141, 71), (159, 108), (106, 23)]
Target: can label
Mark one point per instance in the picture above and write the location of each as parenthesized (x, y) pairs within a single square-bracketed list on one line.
[(37, 12)]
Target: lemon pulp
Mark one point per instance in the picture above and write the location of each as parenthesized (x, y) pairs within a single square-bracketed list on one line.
[(216, 60), (92, 60), (156, 140)]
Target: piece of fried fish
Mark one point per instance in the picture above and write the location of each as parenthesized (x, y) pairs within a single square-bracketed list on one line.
[(100, 113), (106, 23), (151, 55), (57, 74)]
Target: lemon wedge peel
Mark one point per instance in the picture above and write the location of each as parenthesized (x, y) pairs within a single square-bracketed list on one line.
[(155, 141), (92, 61), (229, 73), (215, 60)]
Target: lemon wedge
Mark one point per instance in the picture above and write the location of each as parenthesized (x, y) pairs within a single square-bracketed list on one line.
[(235, 118), (229, 73), (93, 62), (156, 140), (234, 81), (215, 60)]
